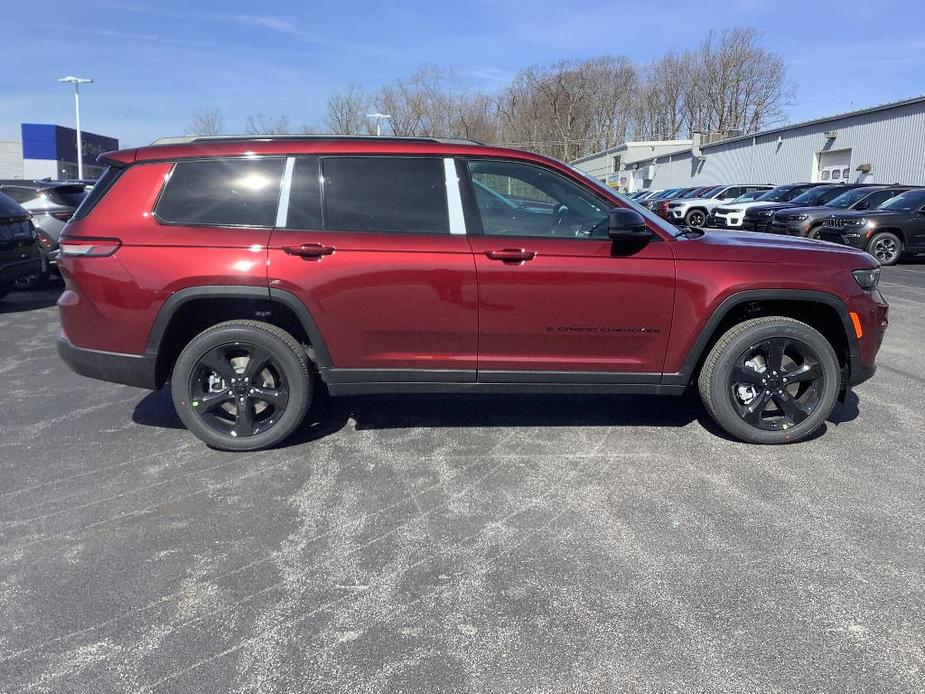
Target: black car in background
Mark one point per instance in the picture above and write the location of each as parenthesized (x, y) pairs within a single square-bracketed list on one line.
[(758, 217), (19, 247), (51, 204), (805, 221), (897, 226)]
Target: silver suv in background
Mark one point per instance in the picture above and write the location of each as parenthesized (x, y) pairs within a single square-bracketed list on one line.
[(693, 212), (51, 204)]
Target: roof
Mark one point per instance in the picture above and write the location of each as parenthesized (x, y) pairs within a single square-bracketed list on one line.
[(189, 148)]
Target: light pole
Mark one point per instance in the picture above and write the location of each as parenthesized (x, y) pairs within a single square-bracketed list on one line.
[(378, 116), (77, 81)]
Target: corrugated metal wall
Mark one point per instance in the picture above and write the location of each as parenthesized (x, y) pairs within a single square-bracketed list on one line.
[(10, 159), (892, 141)]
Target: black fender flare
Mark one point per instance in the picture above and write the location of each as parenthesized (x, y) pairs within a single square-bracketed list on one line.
[(321, 353), (747, 296)]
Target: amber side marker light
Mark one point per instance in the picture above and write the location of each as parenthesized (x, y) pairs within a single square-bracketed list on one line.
[(857, 324)]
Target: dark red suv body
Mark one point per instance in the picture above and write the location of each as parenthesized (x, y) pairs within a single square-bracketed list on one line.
[(436, 265)]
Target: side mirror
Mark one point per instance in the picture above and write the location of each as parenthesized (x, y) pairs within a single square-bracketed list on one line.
[(627, 225)]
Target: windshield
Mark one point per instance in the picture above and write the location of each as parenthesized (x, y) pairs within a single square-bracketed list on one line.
[(816, 196), (909, 201), (783, 193), (848, 198), (749, 197)]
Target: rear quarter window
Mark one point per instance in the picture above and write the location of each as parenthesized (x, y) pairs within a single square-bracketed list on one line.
[(222, 192), (103, 184)]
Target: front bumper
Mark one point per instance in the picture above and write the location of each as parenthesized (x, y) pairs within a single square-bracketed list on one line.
[(855, 239), (129, 369), (761, 224), (788, 228)]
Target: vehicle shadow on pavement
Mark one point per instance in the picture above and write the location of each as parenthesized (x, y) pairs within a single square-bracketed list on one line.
[(18, 302), (329, 415)]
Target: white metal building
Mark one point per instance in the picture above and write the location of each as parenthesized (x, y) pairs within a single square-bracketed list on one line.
[(614, 165), (881, 144)]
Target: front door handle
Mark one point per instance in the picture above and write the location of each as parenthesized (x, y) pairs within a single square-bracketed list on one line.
[(312, 251), (511, 255)]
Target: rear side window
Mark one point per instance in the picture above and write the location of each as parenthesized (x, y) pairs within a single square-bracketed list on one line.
[(385, 194), (305, 195), (222, 192), (106, 180)]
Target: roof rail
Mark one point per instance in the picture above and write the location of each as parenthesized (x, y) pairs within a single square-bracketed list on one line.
[(188, 139)]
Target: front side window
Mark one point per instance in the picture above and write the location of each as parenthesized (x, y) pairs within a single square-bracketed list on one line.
[(518, 199), (222, 192), (910, 201), (385, 194)]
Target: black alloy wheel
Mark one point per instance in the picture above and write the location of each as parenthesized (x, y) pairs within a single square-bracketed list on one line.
[(242, 385), (776, 384), (695, 218)]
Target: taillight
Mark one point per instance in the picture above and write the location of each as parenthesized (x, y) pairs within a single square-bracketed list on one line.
[(44, 239), (61, 216), (89, 248)]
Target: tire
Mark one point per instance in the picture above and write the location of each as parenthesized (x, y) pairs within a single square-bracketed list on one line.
[(5, 289), (886, 247), (213, 374), (36, 280), (695, 219), (742, 390), (814, 233)]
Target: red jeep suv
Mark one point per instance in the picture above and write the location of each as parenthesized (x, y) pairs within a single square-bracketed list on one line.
[(243, 270)]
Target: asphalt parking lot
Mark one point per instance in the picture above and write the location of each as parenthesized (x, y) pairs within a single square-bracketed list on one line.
[(459, 544)]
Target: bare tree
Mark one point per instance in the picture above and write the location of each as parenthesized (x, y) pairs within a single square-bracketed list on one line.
[(206, 122), (267, 125), (346, 112)]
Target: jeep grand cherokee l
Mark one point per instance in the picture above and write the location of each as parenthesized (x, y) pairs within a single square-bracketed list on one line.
[(733, 216), (805, 221), (19, 246), (894, 228), (242, 271)]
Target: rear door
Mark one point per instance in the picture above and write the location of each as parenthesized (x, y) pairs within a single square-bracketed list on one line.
[(375, 248), (556, 296)]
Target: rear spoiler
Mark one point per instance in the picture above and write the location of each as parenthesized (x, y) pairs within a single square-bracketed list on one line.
[(118, 158)]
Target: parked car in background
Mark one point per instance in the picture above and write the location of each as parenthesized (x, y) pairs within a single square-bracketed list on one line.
[(51, 204), (650, 202), (693, 212), (19, 247), (731, 216), (758, 217), (805, 221), (894, 228), (661, 209)]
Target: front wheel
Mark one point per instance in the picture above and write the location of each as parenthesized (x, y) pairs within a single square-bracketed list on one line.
[(695, 219), (885, 247), (770, 380), (242, 385)]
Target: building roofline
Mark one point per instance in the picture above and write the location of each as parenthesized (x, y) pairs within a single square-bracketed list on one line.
[(793, 126), (631, 143)]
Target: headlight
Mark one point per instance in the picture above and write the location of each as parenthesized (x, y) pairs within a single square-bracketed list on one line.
[(761, 213), (868, 279), (801, 217)]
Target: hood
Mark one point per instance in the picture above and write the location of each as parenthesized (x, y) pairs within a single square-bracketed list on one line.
[(755, 247), (758, 206), (858, 214), (821, 210)]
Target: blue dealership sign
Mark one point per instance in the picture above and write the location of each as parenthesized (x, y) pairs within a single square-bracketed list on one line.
[(46, 141)]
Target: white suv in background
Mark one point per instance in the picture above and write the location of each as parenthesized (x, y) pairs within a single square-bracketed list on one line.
[(731, 216), (693, 212)]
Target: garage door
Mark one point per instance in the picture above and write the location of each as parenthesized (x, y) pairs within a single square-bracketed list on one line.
[(834, 166)]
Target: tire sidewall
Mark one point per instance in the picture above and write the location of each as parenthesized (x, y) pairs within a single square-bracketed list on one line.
[(300, 389), (695, 213), (726, 414)]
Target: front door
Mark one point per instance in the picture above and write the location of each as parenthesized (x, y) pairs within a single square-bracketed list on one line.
[(555, 294), (366, 244)]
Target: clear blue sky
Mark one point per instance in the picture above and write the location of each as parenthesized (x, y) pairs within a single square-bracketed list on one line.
[(156, 62)]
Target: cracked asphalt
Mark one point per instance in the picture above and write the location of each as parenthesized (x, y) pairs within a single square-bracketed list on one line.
[(458, 544)]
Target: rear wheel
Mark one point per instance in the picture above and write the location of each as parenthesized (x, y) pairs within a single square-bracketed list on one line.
[(242, 385), (695, 218), (886, 247), (770, 380)]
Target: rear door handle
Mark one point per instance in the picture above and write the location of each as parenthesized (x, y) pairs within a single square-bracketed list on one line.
[(511, 255), (312, 251)]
